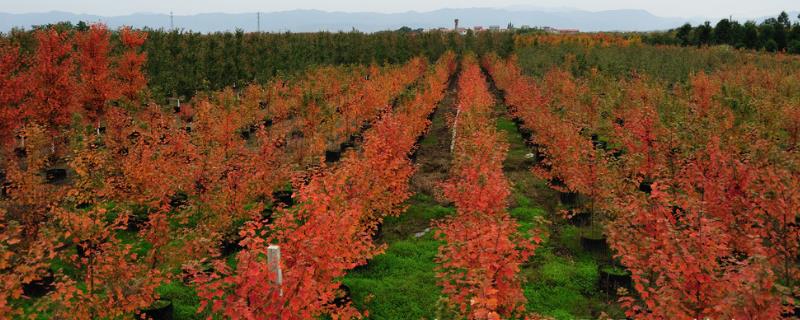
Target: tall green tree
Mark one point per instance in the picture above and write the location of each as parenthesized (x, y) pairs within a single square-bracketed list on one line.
[(705, 34), (723, 32), (750, 35), (684, 34)]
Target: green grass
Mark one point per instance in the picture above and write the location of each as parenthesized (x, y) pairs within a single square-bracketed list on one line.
[(432, 139), (184, 299), (561, 279), (517, 148), (421, 210), (401, 283), (560, 286)]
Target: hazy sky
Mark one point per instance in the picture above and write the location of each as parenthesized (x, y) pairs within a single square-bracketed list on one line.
[(670, 8)]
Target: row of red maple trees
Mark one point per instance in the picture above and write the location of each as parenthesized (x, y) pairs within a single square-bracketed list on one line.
[(104, 198), (706, 225), (330, 229), (328, 105), (483, 249)]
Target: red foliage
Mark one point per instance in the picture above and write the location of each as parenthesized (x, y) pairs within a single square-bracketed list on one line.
[(693, 251), (12, 91), (51, 81), (713, 238), (129, 68), (329, 231), (97, 85), (483, 251)]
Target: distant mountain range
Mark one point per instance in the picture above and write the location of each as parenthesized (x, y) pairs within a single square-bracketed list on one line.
[(315, 20)]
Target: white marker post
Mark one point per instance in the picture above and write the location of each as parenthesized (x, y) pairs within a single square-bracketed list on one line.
[(455, 125), (274, 264)]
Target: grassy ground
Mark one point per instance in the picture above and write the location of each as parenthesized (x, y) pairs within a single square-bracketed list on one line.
[(401, 283), (561, 278)]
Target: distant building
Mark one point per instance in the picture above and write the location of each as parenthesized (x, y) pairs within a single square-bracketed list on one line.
[(494, 28), (560, 31), (477, 28)]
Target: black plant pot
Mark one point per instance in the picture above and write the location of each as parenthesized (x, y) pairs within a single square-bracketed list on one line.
[(20, 152), (617, 153), (178, 200), (525, 133), (297, 134), (378, 233), (4, 185), (613, 278), (342, 296), (56, 175), (283, 197), (530, 144), (358, 137), (134, 136), (247, 132), (40, 287), (230, 245), (161, 310), (262, 105), (594, 242), (346, 145), (600, 145), (413, 155), (137, 219), (244, 134), (557, 182), (646, 186), (85, 248), (332, 156), (568, 198), (267, 215), (794, 314), (188, 276), (538, 155), (581, 219), (678, 213), (83, 205)]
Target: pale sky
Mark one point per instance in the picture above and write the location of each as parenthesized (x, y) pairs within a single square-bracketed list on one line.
[(671, 8)]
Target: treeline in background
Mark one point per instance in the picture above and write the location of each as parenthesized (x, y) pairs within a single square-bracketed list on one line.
[(773, 34), (181, 63)]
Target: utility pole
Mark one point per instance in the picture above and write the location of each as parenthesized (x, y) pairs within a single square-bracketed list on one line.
[(258, 21), (171, 21)]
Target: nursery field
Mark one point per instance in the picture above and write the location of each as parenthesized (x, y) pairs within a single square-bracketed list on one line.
[(488, 176)]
